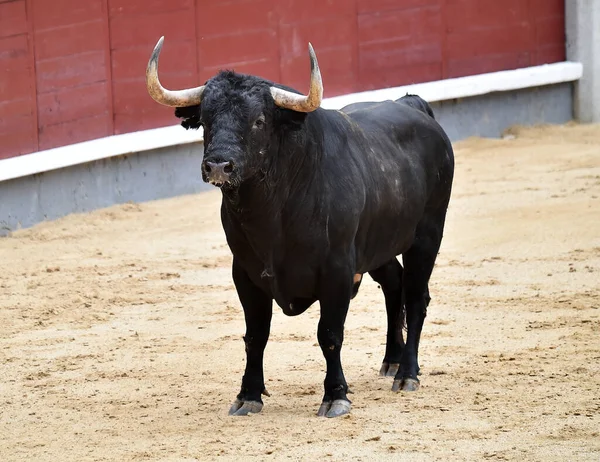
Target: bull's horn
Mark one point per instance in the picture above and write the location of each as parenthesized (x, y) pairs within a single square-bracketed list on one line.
[(301, 103), (179, 98)]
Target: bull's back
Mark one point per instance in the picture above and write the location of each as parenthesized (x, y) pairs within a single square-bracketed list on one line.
[(414, 101), (404, 142), (407, 164)]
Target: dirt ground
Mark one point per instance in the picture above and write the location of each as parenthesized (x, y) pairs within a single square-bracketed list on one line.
[(120, 331)]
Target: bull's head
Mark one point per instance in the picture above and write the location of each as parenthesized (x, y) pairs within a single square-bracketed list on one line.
[(239, 114)]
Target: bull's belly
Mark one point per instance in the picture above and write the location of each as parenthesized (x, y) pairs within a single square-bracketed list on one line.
[(293, 281), (378, 248)]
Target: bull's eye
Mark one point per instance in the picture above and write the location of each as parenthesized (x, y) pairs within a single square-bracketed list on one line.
[(260, 122)]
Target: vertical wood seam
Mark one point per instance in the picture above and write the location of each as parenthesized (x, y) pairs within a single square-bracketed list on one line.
[(444, 37), (108, 64), (357, 85), (279, 34), (277, 31), (196, 44), (533, 48), (32, 61)]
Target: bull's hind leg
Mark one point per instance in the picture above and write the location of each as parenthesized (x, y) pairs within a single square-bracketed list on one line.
[(419, 261), (389, 277)]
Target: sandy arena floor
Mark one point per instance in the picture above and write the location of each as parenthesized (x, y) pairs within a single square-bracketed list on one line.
[(121, 332)]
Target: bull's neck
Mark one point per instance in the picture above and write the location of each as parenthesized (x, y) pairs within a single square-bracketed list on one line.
[(260, 200), (261, 204), (256, 212)]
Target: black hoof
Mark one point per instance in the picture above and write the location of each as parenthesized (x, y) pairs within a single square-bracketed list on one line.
[(389, 370), (240, 407), (406, 385), (334, 408)]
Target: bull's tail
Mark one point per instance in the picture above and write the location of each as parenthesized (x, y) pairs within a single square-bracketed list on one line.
[(417, 102)]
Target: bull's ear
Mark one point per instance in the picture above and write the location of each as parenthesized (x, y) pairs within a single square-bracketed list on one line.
[(190, 116)]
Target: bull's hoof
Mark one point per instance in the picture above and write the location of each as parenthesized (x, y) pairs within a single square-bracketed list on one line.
[(240, 407), (406, 385), (334, 408), (389, 370)]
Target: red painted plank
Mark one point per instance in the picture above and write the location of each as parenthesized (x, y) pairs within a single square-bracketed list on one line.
[(419, 25), (338, 70), (141, 7), (135, 27), (390, 55), (267, 68), (16, 75), (17, 143), (236, 49), (397, 54), (14, 115), (15, 47), (177, 58), (131, 96), (479, 64), (490, 42), (33, 95), (73, 95), (225, 18), (550, 31), (17, 127), (72, 103), (13, 18), (107, 59), (55, 13), (15, 84), (372, 79), (541, 9), (69, 40), (486, 35), (467, 15), (399, 66), (70, 71), (322, 33), (377, 6), (549, 54), (294, 11), (75, 131), (444, 36), (145, 30), (334, 40), (161, 117)]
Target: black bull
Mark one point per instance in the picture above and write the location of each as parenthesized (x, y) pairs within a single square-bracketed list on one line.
[(313, 199)]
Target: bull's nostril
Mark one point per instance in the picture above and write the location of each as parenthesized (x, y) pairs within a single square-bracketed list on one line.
[(218, 173)]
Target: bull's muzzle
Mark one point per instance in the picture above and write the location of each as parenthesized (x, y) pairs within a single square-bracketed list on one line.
[(218, 173)]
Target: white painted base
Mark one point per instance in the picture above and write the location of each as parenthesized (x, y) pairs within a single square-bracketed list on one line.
[(473, 85), (146, 140)]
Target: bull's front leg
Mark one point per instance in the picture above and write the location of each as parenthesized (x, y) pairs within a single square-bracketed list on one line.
[(334, 300), (258, 310)]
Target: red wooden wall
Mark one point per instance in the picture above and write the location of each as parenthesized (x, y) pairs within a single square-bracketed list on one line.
[(73, 70)]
